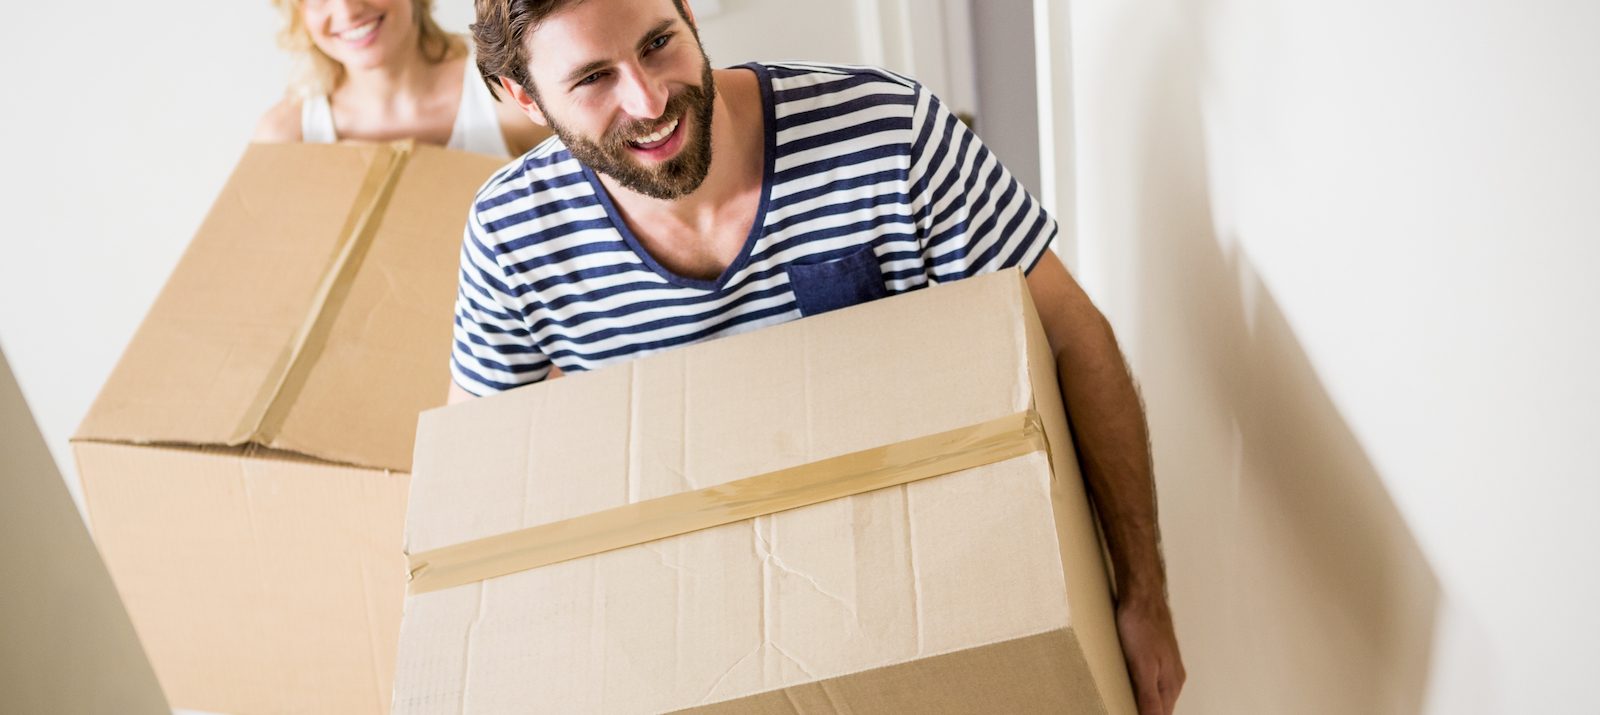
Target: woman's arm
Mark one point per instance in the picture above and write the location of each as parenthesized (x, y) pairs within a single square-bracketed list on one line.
[(280, 124)]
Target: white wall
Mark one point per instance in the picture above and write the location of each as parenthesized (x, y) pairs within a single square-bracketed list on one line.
[(1349, 247), (929, 40), (745, 30), (122, 121), (1003, 55)]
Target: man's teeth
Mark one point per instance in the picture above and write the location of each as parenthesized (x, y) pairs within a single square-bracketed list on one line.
[(359, 33), (659, 134)]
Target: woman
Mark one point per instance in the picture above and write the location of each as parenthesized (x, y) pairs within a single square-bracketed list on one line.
[(380, 70)]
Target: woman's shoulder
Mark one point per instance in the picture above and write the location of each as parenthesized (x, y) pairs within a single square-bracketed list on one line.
[(281, 122)]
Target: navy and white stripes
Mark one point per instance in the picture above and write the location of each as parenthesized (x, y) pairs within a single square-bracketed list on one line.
[(857, 159)]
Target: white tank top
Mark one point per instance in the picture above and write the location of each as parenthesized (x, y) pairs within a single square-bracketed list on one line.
[(477, 128)]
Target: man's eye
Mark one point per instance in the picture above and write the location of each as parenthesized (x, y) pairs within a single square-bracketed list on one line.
[(591, 79), (659, 42)]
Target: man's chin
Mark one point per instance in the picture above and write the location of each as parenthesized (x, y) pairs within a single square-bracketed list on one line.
[(663, 190), (665, 180)]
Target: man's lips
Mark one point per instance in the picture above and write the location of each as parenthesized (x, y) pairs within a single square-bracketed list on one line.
[(657, 138), (663, 148)]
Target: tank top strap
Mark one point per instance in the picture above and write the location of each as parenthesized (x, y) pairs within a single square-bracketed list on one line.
[(316, 120), (477, 127)]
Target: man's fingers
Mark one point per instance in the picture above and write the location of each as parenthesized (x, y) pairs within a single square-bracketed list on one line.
[(1154, 665), (1147, 690), (1172, 679), (1171, 683)]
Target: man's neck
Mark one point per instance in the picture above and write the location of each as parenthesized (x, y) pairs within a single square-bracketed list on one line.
[(738, 144)]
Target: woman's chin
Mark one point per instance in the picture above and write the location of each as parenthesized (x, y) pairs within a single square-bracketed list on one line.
[(356, 59), (363, 61)]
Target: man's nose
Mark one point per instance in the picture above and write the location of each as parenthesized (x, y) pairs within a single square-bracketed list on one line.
[(643, 95)]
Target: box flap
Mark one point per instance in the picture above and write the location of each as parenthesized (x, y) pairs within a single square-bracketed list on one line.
[(311, 312), (260, 581)]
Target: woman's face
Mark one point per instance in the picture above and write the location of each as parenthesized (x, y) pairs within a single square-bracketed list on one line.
[(361, 34)]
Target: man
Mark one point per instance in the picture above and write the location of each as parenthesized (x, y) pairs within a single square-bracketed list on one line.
[(682, 204)]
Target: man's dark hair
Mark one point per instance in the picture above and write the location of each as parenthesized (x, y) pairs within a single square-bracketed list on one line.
[(500, 33)]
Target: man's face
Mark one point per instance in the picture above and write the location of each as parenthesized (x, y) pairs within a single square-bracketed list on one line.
[(628, 88)]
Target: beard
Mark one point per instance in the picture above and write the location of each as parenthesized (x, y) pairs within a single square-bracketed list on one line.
[(672, 179)]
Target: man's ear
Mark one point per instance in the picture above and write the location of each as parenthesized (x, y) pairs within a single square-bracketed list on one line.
[(688, 14), (523, 99)]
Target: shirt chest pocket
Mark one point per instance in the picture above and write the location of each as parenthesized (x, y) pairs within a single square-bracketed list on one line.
[(840, 283)]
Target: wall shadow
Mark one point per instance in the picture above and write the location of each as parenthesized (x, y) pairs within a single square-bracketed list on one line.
[(66, 643), (1296, 583)]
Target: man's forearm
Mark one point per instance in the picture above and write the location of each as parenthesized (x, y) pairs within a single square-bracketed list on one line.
[(1113, 444)]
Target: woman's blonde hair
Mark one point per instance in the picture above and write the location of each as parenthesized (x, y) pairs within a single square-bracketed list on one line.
[(317, 73)]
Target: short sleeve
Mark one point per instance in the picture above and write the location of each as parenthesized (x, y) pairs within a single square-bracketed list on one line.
[(972, 216), (493, 348)]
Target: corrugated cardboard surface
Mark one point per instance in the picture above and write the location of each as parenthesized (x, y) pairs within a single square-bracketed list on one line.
[(66, 645), (258, 582), (286, 326), (381, 361), (245, 465), (1035, 674), (860, 593)]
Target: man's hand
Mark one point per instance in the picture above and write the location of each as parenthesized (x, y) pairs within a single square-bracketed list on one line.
[(457, 394), (1150, 647)]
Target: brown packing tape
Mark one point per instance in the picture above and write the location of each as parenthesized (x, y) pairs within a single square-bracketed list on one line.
[(824, 480), (268, 410)]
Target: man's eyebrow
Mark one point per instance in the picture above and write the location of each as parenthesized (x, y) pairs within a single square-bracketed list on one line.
[(654, 31), (584, 71), (598, 65)]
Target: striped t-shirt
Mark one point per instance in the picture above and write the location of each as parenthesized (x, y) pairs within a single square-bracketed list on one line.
[(871, 187)]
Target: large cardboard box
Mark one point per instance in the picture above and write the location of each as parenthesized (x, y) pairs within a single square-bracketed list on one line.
[(977, 586), (245, 466)]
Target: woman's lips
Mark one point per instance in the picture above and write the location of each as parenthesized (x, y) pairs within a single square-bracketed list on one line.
[(361, 35)]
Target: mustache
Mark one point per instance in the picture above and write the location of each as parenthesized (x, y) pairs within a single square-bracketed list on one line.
[(677, 106)]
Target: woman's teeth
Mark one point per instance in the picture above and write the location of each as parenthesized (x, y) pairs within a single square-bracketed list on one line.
[(357, 34), (658, 135)]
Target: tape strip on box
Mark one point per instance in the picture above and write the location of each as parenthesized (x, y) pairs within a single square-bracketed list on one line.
[(266, 413), (824, 480)]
